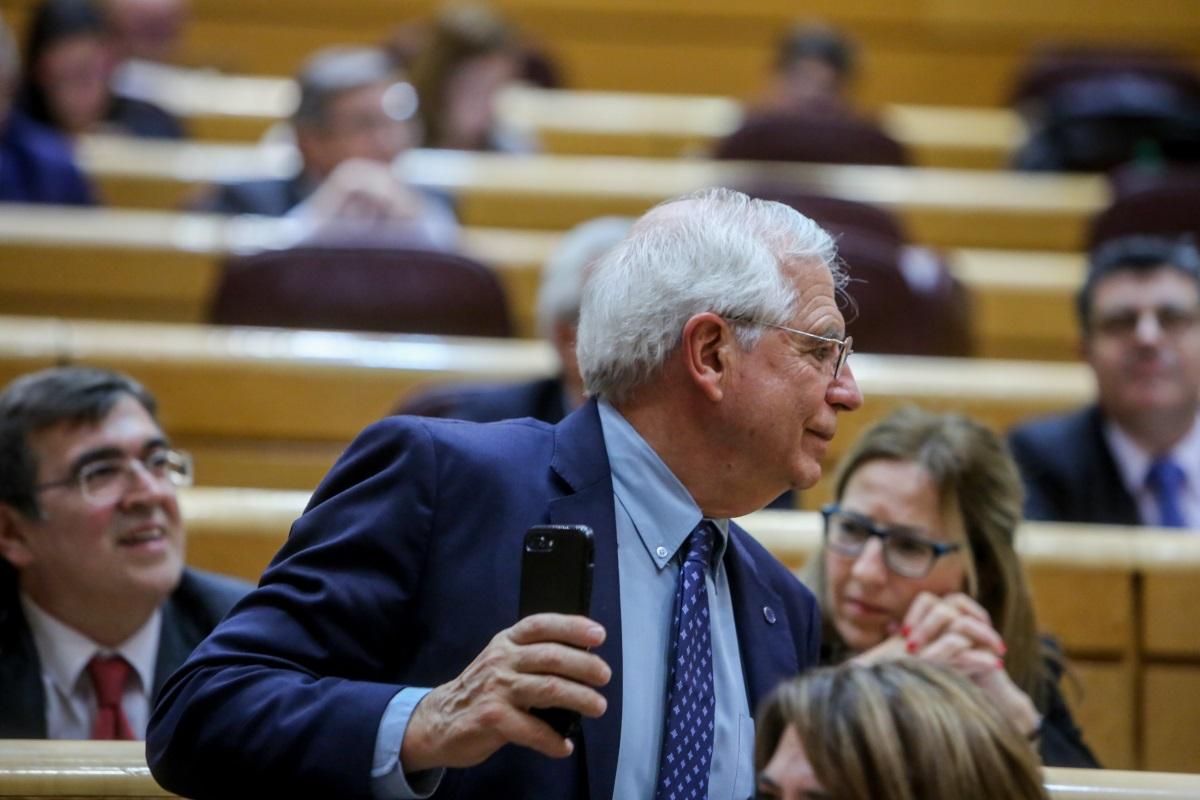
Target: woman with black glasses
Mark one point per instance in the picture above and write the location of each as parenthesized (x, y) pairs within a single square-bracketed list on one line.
[(918, 560)]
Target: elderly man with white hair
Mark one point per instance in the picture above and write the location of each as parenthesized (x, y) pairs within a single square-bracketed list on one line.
[(382, 655)]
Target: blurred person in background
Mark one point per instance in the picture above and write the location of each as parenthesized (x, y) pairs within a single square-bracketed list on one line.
[(814, 68), (470, 56), (896, 730), (918, 560), (148, 30), (354, 118), (36, 162), (1133, 457), (71, 59), (559, 296)]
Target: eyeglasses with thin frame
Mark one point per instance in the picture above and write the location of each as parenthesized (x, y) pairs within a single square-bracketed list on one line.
[(106, 480), (845, 347), (905, 551)]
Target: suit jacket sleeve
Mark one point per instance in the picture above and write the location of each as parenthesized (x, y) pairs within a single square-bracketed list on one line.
[(285, 698), (1062, 742)]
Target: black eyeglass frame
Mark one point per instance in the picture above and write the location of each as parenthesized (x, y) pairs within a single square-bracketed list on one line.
[(884, 533)]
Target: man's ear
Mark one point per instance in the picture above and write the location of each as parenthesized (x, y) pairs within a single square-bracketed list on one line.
[(708, 345), (14, 541)]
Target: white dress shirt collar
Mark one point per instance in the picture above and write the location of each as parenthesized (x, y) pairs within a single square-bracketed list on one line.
[(1133, 462)]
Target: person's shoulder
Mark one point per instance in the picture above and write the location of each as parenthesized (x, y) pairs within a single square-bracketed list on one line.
[(142, 118), (271, 197), (1050, 435), (209, 594), (770, 569)]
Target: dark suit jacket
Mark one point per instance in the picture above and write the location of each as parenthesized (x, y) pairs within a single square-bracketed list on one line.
[(403, 567), (1069, 473), (37, 166), (192, 610), (540, 399), (271, 197)]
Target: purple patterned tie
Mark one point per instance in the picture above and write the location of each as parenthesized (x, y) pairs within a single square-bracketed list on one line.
[(688, 732)]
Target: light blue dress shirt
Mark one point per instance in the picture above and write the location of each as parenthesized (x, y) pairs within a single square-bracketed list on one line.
[(655, 514)]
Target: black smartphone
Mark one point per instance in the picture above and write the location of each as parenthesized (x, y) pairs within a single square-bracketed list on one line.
[(556, 576)]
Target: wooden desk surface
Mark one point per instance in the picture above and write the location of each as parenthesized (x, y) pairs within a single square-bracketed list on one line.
[(217, 106), (944, 207), (117, 770), (160, 266), (271, 408)]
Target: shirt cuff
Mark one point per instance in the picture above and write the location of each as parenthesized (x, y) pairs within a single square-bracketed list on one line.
[(388, 781)]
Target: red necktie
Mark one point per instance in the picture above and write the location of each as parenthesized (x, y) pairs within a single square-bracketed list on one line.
[(108, 677)]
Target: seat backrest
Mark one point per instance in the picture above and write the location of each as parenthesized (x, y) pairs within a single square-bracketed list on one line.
[(362, 289), (1166, 210), (796, 136), (906, 302), (834, 214)]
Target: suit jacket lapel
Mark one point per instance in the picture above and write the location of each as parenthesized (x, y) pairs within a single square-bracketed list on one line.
[(22, 696), (581, 461), (1106, 487), (763, 628)]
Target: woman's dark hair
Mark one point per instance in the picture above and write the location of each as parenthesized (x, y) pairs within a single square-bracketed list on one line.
[(53, 21)]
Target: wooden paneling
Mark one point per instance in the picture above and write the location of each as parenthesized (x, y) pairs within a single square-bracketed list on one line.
[(1171, 699)]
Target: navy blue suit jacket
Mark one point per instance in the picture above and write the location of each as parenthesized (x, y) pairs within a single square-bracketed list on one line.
[(403, 567), (37, 165), (1069, 473)]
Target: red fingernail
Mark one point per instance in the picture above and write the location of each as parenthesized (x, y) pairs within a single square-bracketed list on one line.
[(1003, 648), (905, 631), (999, 663), (910, 646)]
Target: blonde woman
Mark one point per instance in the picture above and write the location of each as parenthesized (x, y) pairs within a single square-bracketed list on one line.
[(917, 560), (896, 730)]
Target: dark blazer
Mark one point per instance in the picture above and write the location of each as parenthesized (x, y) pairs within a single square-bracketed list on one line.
[(403, 567), (1069, 473), (37, 165), (541, 399), (189, 614), (271, 197), (1061, 743)]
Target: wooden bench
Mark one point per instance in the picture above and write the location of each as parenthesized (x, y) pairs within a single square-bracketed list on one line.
[(157, 266), (960, 53), (272, 408), (220, 107), (73, 770), (942, 207), (1096, 588)]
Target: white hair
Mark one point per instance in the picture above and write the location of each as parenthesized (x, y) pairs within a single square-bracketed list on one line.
[(715, 250), (561, 288)]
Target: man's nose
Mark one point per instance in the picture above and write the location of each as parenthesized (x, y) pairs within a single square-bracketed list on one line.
[(843, 392), (1148, 330)]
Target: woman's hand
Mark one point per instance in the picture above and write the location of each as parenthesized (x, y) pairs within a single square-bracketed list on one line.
[(957, 632)]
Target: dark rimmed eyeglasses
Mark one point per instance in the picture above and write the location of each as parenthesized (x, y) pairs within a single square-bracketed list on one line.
[(905, 551), (844, 347)]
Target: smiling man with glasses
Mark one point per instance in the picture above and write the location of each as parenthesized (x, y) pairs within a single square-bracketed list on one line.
[(1133, 457), (96, 608)]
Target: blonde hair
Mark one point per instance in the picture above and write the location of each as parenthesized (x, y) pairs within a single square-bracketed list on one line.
[(974, 472), (900, 730)]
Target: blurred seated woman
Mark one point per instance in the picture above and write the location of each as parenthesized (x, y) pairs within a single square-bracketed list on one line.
[(71, 59), (470, 56), (895, 730), (918, 559)]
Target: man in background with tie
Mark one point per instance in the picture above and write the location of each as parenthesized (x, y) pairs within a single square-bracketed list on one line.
[(381, 655), (96, 608), (1133, 457)]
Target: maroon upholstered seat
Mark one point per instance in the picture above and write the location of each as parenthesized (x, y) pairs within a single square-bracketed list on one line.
[(1169, 209), (797, 136), (362, 289), (835, 214)]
